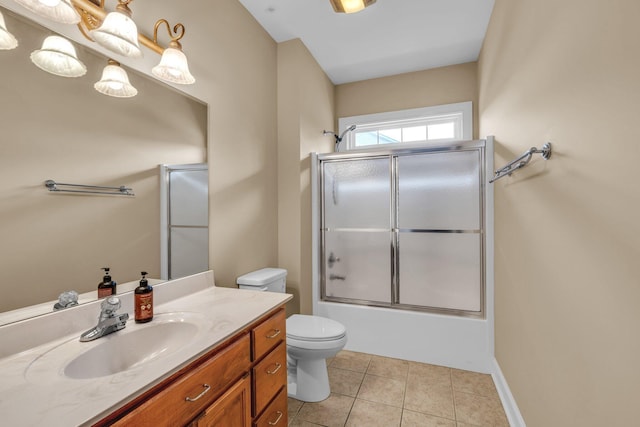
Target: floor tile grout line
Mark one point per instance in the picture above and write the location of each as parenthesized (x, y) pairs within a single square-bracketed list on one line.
[(453, 396)]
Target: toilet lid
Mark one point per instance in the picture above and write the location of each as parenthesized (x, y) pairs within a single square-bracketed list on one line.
[(314, 328)]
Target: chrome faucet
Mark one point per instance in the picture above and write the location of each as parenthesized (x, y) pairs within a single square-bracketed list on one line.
[(108, 322), (66, 299)]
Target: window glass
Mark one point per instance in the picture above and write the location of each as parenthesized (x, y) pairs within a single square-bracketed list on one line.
[(414, 133), (445, 130), (389, 136), (440, 123), (363, 139)]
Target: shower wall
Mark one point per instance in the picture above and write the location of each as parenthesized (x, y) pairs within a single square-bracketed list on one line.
[(401, 251)]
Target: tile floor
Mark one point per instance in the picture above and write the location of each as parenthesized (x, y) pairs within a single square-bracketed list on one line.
[(376, 391)]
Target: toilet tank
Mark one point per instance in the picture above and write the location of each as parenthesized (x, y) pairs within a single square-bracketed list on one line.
[(266, 279)]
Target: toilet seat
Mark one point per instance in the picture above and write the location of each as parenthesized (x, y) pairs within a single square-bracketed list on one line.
[(304, 328)]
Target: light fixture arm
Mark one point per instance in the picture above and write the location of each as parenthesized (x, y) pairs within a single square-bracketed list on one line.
[(178, 30)]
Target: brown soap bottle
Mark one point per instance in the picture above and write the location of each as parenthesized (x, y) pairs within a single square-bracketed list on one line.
[(107, 287), (143, 301)]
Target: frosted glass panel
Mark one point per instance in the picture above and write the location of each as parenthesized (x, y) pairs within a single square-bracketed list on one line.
[(189, 251), (361, 268), (189, 199), (440, 270), (439, 191), (357, 194)]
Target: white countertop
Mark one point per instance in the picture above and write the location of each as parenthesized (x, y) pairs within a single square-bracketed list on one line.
[(31, 396)]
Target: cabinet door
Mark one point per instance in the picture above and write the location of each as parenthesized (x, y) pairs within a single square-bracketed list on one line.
[(233, 409)]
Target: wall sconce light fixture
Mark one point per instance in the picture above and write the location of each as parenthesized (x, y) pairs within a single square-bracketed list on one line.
[(118, 32), (58, 56), (173, 65), (7, 40), (61, 11), (115, 81), (115, 31)]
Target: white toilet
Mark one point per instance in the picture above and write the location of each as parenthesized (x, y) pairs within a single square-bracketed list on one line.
[(310, 340)]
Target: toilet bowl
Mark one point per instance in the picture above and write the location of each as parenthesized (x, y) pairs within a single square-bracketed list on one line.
[(310, 340)]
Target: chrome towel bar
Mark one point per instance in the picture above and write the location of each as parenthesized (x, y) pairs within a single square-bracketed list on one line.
[(88, 189), (521, 161)]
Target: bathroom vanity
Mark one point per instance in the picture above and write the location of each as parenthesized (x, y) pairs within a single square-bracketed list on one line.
[(229, 386), (211, 356)]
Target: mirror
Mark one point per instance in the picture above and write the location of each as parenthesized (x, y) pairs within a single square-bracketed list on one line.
[(62, 129)]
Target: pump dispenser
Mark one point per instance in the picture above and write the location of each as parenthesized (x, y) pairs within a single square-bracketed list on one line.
[(143, 301), (108, 286)]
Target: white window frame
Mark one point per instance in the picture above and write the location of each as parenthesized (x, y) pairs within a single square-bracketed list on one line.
[(405, 118)]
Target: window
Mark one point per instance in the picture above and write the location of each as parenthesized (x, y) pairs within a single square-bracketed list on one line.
[(441, 123)]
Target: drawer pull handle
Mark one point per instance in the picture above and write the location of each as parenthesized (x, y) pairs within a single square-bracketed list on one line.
[(275, 333), (280, 414), (278, 366), (207, 387)]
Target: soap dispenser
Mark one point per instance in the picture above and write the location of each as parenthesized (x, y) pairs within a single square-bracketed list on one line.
[(108, 286), (143, 301)]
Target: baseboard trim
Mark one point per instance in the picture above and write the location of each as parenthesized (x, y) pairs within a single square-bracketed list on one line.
[(508, 402)]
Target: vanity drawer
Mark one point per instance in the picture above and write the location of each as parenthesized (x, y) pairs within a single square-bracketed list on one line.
[(269, 376), (276, 413), (203, 385), (268, 334)]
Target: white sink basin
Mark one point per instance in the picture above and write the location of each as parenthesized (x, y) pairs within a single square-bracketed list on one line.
[(120, 351)]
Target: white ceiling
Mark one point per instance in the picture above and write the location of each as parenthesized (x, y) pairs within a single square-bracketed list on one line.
[(390, 37)]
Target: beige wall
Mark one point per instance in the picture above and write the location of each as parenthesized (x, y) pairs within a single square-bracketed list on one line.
[(445, 85), (567, 290), (234, 62), (305, 109), (238, 81), (62, 129)]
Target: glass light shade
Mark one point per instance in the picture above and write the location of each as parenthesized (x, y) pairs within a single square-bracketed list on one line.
[(57, 10), (119, 34), (7, 40), (350, 6), (173, 67), (115, 82), (58, 56)]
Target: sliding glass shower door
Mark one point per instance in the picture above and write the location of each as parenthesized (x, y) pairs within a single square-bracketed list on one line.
[(439, 230), (357, 229), (404, 229)]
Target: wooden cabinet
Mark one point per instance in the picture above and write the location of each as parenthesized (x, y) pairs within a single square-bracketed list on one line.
[(189, 395), (269, 372), (238, 384)]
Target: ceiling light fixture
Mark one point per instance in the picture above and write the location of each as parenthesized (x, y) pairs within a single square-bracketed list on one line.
[(61, 11), (58, 57), (7, 40), (115, 81), (350, 6)]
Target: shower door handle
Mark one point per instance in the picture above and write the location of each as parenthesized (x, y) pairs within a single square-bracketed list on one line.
[(332, 260)]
